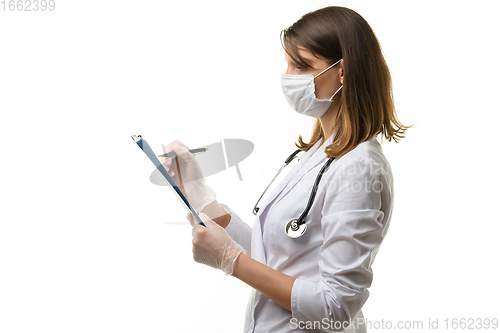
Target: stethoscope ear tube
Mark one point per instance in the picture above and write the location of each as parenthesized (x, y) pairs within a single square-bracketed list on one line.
[(292, 156), (287, 161)]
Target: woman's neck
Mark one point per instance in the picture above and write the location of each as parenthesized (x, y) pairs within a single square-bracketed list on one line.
[(328, 120)]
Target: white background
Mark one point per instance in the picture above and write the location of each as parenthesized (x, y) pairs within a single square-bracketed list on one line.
[(84, 241)]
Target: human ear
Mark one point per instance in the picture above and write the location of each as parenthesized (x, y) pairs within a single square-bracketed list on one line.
[(341, 71)]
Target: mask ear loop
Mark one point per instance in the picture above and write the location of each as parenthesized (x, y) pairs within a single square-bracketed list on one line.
[(328, 68), (331, 99)]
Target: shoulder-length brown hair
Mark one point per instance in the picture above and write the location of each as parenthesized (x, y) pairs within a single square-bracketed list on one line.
[(367, 105)]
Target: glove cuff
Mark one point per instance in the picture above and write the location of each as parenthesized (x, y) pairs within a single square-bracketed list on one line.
[(209, 196), (228, 264)]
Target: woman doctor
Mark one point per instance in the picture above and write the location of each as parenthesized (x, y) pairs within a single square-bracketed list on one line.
[(319, 281)]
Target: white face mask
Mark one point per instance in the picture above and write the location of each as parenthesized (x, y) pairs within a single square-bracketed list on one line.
[(299, 92)]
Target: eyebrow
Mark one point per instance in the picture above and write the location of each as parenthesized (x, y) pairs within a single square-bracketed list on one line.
[(297, 59), (313, 58)]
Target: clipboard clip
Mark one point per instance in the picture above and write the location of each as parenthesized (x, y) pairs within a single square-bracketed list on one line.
[(136, 137)]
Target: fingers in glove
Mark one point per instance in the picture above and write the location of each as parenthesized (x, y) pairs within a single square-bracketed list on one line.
[(183, 153), (198, 229), (166, 161), (170, 147), (169, 165), (171, 168), (191, 219)]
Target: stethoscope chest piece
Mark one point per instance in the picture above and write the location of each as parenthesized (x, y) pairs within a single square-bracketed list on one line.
[(295, 230)]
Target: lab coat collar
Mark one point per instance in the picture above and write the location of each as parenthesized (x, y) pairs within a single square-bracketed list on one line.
[(314, 156)]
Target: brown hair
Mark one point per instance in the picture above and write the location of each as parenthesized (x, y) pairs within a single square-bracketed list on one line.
[(367, 105)]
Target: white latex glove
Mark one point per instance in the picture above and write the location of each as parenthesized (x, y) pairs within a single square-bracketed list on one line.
[(212, 245), (186, 172)]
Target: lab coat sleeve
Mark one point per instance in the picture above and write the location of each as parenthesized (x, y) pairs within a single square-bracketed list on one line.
[(352, 231), (238, 230)]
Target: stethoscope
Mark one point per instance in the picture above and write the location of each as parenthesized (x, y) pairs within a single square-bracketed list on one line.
[(297, 227)]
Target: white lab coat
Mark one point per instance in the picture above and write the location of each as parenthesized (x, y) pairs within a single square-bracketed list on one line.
[(332, 260)]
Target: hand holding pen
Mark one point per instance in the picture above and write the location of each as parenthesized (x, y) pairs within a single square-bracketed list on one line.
[(187, 174)]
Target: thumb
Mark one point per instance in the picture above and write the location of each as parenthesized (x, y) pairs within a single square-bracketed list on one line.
[(208, 222)]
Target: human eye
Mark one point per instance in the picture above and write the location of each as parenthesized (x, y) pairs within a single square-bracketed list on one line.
[(298, 68)]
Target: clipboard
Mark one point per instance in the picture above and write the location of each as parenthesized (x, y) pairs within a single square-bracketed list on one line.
[(143, 144)]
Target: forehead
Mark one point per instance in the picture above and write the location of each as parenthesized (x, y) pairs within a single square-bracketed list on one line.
[(305, 55)]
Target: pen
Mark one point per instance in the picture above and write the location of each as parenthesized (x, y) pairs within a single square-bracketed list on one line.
[(192, 151)]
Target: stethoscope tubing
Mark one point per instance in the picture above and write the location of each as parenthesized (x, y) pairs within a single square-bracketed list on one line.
[(314, 190), (293, 228)]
